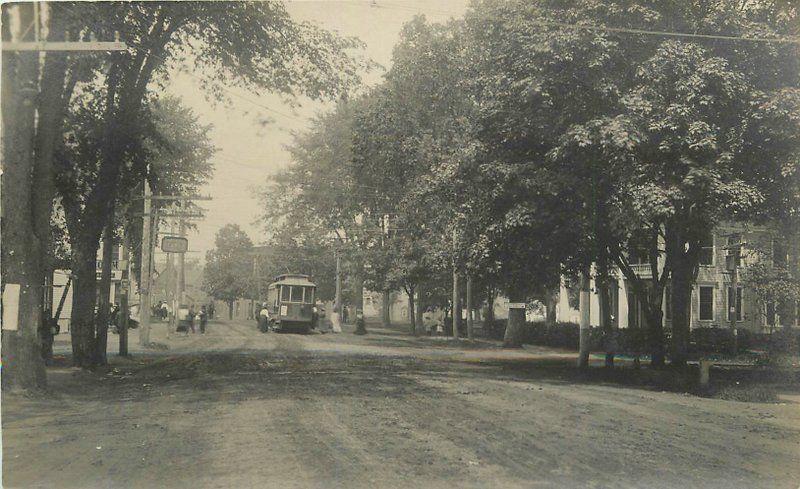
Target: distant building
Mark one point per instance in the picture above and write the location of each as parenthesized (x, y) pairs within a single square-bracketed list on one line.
[(712, 294), (713, 301)]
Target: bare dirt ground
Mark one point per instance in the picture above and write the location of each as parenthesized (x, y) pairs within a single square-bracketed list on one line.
[(240, 409)]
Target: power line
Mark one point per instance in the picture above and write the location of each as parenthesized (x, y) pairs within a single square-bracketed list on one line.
[(237, 95), (620, 30)]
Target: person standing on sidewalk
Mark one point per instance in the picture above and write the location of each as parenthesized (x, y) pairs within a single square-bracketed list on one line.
[(190, 319), (203, 319), (263, 318)]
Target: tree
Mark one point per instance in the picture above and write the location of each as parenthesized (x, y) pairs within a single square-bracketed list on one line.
[(228, 269), (252, 44), (670, 114), (23, 249), (177, 150), (311, 209)]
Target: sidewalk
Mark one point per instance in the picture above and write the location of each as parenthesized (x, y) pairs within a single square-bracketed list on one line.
[(62, 345)]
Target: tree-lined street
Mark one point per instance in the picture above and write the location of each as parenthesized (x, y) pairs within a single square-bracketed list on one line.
[(237, 408), (363, 243)]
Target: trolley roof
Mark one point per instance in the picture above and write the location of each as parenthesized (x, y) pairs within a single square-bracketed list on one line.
[(294, 279)]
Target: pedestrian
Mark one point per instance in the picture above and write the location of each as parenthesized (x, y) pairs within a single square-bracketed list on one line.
[(164, 310), (427, 320), (336, 319), (190, 318), (48, 329), (203, 319), (345, 314), (211, 310), (263, 318), (113, 319)]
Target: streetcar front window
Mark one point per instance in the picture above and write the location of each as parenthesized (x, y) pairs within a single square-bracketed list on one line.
[(309, 295), (297, 294), (285, 291)]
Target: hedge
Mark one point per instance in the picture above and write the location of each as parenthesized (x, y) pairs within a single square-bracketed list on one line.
[(703, 341)]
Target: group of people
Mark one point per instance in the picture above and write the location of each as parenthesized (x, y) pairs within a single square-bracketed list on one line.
[(433, 321), (196, 318), (161, 310)]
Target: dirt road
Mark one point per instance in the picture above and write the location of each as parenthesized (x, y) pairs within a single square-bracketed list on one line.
[(239, 409)]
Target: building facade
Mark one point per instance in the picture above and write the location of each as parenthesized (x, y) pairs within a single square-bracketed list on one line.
[(714, 301)]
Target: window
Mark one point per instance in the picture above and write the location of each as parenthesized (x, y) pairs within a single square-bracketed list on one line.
[(707, 249), (297, 294), (738, 303), (633, 310), (638, 255), (285, 291), (309, 295), (706, 303)]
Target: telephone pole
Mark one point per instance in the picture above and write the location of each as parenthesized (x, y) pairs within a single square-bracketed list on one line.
[(456, 296), (181, 264), (470, 321), (123, 300), (732, 264), (144, 285), (338, 298)]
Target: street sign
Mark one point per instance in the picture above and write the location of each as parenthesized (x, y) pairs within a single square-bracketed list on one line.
[(174, 244), (516, 305)]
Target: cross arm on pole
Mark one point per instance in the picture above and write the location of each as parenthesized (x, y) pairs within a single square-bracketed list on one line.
[(64, 46)]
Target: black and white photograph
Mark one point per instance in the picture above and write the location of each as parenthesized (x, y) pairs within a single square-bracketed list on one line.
[(379, 244)]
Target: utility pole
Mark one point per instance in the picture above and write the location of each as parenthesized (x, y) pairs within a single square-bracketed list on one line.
[(181, 265), (170, 288), (123, 300), (470, 322), (144, 285), (584, 305), (456, 296), (338, 298), (732, 264)]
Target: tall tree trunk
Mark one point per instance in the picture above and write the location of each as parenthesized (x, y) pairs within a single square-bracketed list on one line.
[(23, 366), (358, 291), (606, 324), (51, 107), (584, 347), (516, 323), (491, 296), (411, 315), (603, 285), (84, 299), (655, 337), (419, 327), (386, 316), (104, 295), (550, 304), (358, 297), (470, 321), (681, 289), (456, 303)]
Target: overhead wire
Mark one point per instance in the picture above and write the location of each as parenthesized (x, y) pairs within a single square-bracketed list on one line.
[(621, 30)]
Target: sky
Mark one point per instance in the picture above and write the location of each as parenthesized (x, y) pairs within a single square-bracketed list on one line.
[(248, 152)]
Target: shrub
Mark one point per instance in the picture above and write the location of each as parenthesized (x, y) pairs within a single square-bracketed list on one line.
[(705, 341), (495, 329), (560, 335)]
